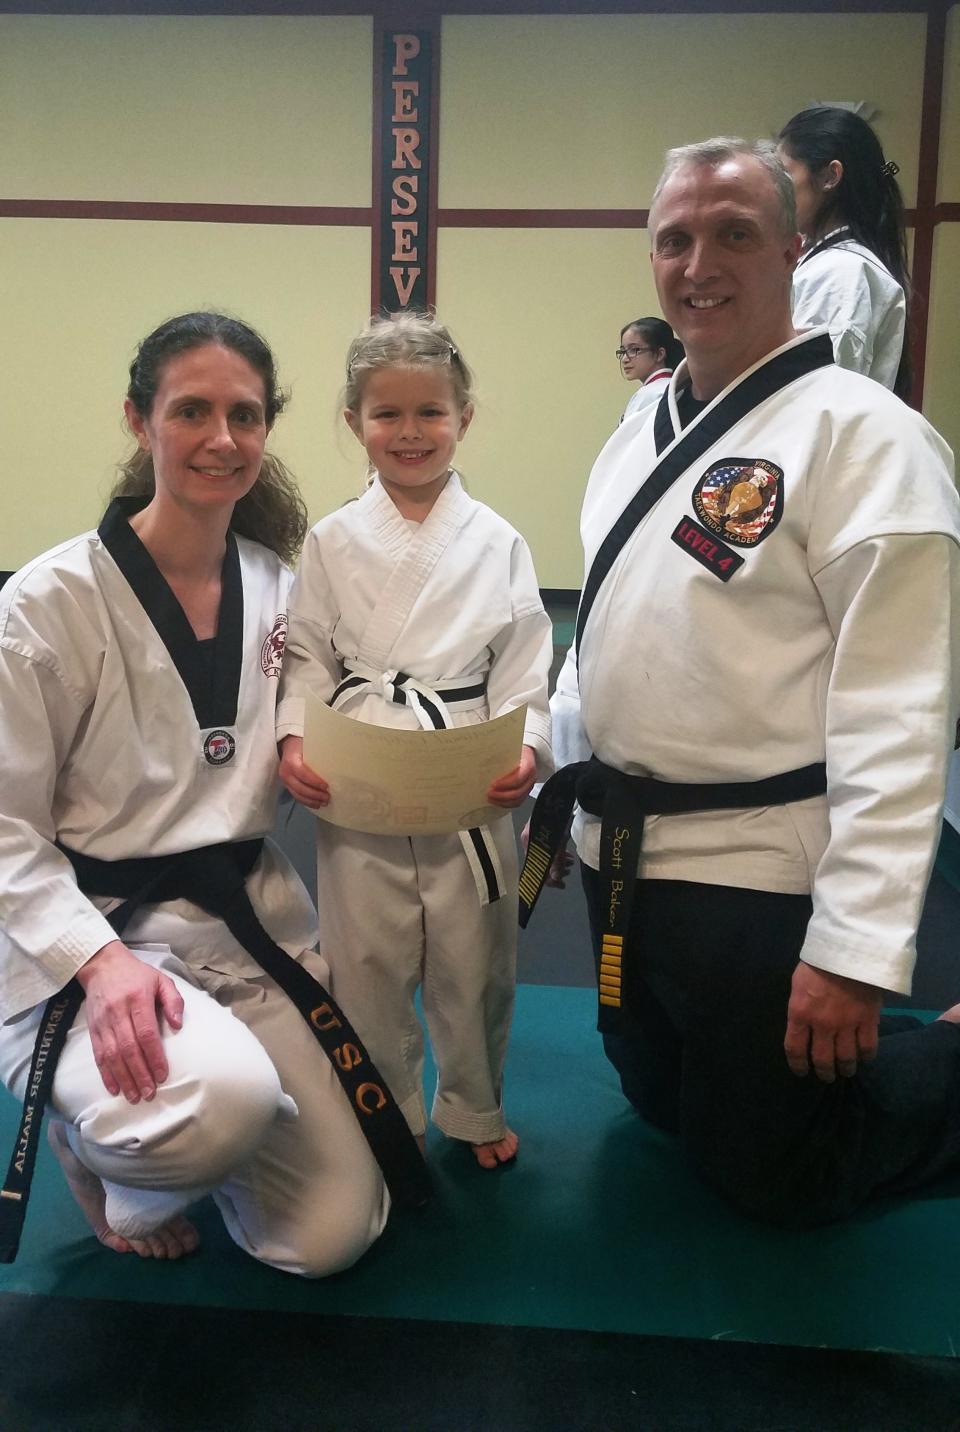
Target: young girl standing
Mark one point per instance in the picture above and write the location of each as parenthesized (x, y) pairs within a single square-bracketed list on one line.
[(416, 606)]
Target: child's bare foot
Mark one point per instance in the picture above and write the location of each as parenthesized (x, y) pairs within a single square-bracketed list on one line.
[(498, 1151), (172, 1240), (951, 1015)]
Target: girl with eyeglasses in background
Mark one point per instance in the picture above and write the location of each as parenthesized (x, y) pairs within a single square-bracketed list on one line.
[(648, 353), (852, 274)]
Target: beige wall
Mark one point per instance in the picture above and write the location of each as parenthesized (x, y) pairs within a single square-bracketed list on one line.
[(540, 332), (87, 291), (219, 110), (941, 398), (181, 111), (536, 111), (576, 111)]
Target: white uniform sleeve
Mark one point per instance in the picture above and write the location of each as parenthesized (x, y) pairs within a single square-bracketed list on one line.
[(840, 299), (309, 659), (893, 603), (41, 908), (522, 653), (570, 742)]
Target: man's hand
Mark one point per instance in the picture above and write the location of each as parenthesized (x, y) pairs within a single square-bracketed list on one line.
[(831, 1023), (512, 789), (123, 998), (303, 783)]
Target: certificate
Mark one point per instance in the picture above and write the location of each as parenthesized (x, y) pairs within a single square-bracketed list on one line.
[(392, 782)]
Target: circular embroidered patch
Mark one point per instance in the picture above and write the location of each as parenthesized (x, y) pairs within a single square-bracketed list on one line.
[(218, 748), (271, 653), (740, 499)]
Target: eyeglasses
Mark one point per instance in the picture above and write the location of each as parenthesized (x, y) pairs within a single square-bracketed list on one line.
[(631, 352)]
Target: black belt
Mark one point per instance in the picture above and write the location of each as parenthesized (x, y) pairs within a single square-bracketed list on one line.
[(213, 878), (622, 802)]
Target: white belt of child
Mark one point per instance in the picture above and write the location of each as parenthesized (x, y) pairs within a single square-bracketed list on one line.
[(431, 705)]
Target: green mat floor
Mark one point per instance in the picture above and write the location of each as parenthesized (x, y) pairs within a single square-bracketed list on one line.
[(598, 1226)]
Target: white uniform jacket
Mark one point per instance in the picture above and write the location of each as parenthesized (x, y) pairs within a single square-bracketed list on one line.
[(648, 394), (452, 598), (846, 287), (117, 740), (792, 598)]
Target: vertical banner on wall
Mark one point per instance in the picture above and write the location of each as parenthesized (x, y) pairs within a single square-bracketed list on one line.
[(404, 170)]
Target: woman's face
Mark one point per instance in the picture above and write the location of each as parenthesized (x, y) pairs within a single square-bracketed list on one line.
[(206, 430), (809, 193), (640, 359)]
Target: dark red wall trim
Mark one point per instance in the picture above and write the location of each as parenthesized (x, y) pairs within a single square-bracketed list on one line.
[(392, 12), (928, 164), (567, 218), (353, 217), (183, 213), (543, 218)]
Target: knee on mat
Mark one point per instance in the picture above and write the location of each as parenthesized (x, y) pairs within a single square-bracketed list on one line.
[(654, 1095), (776, 1194), (333, 1239)]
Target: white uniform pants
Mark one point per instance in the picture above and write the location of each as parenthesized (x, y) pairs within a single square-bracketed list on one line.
[(251, 1112), (397, 913)]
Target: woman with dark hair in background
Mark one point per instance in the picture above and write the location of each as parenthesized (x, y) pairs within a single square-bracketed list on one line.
[(139, 667), (852, 275), (648, 352)]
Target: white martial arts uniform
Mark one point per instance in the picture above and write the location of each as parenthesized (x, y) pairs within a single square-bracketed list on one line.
[(452, 601), (846, 287), (791, 598), (648, 394), (116, 741)]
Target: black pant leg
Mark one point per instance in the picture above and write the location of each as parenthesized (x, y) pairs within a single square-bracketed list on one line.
[(791, 1151)]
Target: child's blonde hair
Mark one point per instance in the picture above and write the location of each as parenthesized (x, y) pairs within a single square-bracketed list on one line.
[(405, 340)]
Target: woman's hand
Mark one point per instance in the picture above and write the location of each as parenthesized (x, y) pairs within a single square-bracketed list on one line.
[(123, 999), (512, 790), (303, 783), (560, 865)]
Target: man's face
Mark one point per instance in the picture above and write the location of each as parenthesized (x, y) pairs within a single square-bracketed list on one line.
[(722, 264)]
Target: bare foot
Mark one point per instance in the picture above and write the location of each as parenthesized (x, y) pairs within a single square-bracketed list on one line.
[(172, 1240), (497, 1152), (951, 1015)]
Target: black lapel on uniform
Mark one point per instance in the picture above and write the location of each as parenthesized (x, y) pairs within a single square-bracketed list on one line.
[(214, 701), (702, 433), (839, 236)]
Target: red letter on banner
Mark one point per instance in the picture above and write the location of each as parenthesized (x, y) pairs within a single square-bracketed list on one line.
[(404, 290), (404, 233), (404, 93), (405, 47), (405, 189), (406, 143)]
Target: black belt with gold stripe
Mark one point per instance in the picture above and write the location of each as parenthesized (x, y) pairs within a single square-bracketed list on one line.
[(622, 802), (213, 877)]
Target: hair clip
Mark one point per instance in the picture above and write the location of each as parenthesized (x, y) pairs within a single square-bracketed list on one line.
[(453, 351), (890, 170)]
